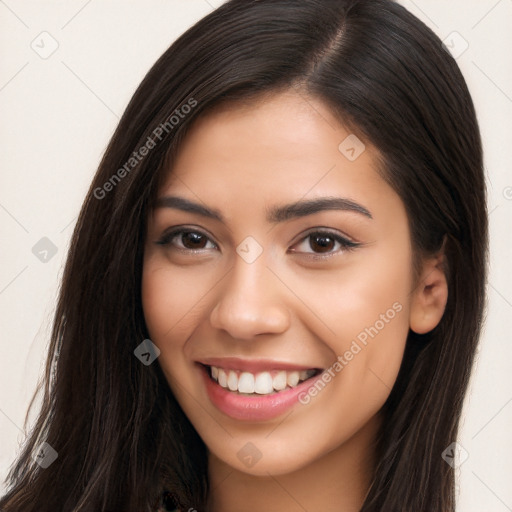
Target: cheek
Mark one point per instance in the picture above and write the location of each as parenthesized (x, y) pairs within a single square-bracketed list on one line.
[(368, 314), (365, 306), (375, 314), (167, 300), (171, 300), (377, 324), (158, 302)]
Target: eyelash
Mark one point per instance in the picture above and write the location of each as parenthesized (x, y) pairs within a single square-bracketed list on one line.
[(346, 245)]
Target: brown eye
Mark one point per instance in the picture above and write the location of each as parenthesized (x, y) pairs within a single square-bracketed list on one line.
[(186, 240), (193, 240), (321, 243)]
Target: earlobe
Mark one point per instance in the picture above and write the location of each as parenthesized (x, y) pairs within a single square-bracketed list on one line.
[(429, 297)]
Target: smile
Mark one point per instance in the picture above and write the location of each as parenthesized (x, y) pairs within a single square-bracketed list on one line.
[(255, 391), (261, 383)]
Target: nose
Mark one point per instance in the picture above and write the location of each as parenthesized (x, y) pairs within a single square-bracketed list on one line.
[(250, 302)]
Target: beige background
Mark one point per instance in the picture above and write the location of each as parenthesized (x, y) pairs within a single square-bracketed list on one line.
[(57, 114)]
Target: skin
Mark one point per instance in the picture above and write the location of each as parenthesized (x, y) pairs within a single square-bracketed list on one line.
[(285, 305)]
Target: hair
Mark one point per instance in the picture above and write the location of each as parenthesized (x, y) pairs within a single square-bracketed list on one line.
[(121, 437)]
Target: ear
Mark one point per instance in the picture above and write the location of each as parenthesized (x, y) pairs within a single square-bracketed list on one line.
[(430, 295)]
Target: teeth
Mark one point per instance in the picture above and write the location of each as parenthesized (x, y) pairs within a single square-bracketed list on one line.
[(303, 375), (232, 381), (279, 382), (246, 383), (223, 378), (292, 379), (263, 383)]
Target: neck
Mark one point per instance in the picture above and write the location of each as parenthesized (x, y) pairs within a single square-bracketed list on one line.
[(336, 481)]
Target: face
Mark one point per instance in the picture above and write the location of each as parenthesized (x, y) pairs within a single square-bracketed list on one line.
[(277, 283)]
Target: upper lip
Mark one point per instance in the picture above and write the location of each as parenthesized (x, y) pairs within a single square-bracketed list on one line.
[(253, 365)]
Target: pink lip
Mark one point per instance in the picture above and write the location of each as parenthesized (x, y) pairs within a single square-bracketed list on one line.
[(253, 408), (253, 366)]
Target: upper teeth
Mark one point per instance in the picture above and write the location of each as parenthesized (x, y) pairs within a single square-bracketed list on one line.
[(261, 383)]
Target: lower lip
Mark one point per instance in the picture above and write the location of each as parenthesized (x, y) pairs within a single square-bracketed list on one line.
[(257, 407)]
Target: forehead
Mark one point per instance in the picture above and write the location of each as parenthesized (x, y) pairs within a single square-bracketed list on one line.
[(268, 142)]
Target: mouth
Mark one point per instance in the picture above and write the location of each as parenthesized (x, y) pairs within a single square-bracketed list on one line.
[(255, 391), (269, 382)]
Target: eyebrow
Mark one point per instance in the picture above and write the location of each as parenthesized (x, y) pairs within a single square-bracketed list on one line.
[(275, 214)]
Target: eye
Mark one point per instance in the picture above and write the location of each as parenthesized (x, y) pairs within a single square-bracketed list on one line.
[(323, 242), (186, 239)]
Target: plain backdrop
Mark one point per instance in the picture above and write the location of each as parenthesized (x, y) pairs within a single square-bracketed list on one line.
[(68, 69)]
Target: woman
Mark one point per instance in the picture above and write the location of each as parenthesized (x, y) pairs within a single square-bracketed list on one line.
[(275, 287)]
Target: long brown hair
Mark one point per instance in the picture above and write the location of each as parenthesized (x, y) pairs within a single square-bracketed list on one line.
[(120, 436)]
